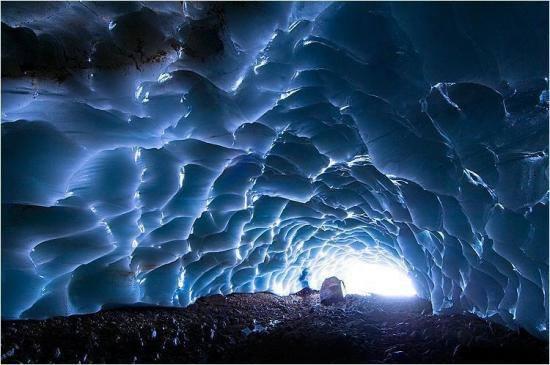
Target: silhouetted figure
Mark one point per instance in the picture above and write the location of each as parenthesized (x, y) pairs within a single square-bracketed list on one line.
[(304, 278)]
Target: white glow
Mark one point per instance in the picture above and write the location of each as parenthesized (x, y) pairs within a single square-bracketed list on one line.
[(181, 278), (238, 83), (164, 77), (364, 278), (181, 177), (259, 65), (138, 91), (137, 154)]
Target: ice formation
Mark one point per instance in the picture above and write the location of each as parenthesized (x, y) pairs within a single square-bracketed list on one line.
[(157, 153)]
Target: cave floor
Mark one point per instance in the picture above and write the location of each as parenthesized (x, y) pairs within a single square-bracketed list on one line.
[(265, 328)]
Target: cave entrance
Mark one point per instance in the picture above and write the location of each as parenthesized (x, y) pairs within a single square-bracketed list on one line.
[(364, 277)]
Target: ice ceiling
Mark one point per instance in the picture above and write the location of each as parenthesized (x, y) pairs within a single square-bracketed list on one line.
[(160, 152)]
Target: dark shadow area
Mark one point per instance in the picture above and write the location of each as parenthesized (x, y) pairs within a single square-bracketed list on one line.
[(266, 328)]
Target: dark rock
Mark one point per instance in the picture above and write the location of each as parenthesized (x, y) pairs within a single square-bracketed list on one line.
[(373, 330), (306, 292), (332, 291), (397, 357), (459, 352), (362, 333)]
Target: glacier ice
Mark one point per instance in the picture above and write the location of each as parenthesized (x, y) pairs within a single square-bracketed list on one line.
[(158, 153)]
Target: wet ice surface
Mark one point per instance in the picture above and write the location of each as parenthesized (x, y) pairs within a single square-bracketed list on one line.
[(262, 327), (158, 153)]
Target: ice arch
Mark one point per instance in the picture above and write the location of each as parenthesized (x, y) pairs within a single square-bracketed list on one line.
[(159, 154)]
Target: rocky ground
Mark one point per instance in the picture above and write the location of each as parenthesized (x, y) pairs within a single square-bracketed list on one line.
[(265, 328)]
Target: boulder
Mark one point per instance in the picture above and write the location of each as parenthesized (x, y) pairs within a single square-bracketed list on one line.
[(333, 291)]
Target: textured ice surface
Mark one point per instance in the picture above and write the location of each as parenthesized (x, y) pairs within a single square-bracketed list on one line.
[(158, 153)]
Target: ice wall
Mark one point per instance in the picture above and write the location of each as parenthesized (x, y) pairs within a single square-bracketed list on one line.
[(158, 153)]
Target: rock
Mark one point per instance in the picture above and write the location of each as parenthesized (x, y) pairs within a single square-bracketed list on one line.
[(396, 357), (458, 352), (9, 353), (372, 330), (305, 292), (332, 334), (332, 291)]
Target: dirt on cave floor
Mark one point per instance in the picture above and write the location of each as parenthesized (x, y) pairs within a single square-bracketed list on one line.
[(266, 328)]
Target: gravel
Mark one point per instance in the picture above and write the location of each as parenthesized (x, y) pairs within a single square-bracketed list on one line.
[(266, 328)]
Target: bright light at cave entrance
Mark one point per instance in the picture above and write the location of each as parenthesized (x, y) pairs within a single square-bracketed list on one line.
[(364, 278)]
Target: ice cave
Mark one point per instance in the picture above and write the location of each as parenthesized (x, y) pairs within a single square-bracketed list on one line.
[(167, 162)]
